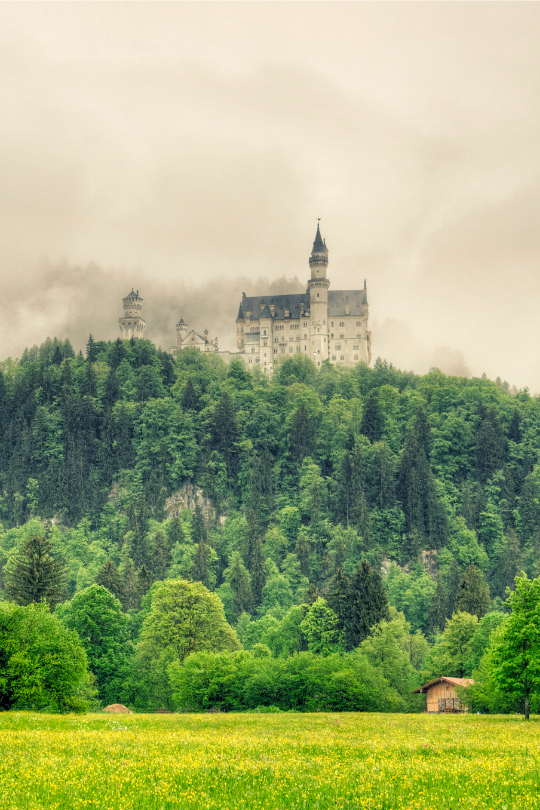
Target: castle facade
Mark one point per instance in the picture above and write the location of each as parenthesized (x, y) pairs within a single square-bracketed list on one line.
[(320, 323)]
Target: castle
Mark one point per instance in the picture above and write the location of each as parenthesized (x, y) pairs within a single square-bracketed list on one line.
[(320, 324), (132, 325)]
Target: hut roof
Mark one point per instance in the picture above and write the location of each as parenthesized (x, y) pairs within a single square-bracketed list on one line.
[(453, 681)]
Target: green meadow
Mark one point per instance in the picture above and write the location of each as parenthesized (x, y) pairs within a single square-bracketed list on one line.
[(283, 760)]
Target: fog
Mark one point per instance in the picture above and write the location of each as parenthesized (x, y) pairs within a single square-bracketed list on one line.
[(186, 149)]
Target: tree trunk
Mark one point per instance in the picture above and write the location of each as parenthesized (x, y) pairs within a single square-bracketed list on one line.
[(527, 708)]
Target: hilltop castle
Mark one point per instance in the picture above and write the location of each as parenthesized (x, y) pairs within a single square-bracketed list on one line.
[(320, 324), (132, 325)]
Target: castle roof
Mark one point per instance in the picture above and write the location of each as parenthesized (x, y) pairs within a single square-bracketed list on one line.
[(257, 306), (133, 294), (181, 322), (339, 299), (319, 245)]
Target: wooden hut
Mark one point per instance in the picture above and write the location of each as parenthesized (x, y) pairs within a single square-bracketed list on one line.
[(442, 696)]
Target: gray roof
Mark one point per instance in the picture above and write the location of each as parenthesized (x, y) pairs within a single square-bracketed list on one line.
[(319, 245), (339, 299), (259, 306), (133, 294)]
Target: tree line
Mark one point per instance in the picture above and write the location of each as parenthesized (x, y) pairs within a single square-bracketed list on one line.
[(309, 486)]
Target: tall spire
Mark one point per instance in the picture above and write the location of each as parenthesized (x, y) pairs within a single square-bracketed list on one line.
[(319, 245)]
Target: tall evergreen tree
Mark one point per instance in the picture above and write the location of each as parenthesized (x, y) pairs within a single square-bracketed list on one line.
[(37, 575), (190, 400), (368, 605), (198, 526), (109, 577), (200, 571), (302, 435), (161, 556), (258, 572), (473, 593), (240, 582), (91, 350), (372, 419)]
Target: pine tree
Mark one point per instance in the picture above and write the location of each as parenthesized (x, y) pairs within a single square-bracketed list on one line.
[(473, 593), (368, 605), (91, 350), (224, 435), (109, 577), (89, 381), (302, 435), (338, 596), (198, 526), (118, 354), (372, 420), (490, 447), (258, 572), (190, 399), (130, 588), (144, 580), (199, 571), (514, 428), (175, 532), (36, 575), (302, 550), (161, 557), (438, 607), (112, 390), (381, 479), (239, 580)]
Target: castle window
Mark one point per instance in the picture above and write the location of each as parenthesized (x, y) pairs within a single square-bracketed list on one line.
[(338, 346), (275, 340), (275, 351), (333, 357), (250, 360), (359, 323), (257, 360), (253, 349), (356, 347), (359, 335), (356, 357), (305, 337), (305, 325), (291, 338), (298, 349), (317, 295), (342, 357), (341, 335), (331, 324), (332, 335), (291, 350), (305, 348), (264, 331), (342, 323)]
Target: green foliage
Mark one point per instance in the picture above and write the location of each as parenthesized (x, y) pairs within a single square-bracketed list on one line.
[(42, 663), (516, 655), (35, 575), (96, 615), (183, 617)]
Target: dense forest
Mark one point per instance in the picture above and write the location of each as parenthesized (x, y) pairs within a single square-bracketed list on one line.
[(336, 515)]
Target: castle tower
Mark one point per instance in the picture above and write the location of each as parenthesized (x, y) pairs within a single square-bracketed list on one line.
[(132, 325), (318, 296), (181, 333)]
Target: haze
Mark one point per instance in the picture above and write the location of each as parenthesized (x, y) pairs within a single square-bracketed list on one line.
[(186, 149)]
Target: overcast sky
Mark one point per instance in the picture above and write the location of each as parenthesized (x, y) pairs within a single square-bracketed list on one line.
[(188, 148)]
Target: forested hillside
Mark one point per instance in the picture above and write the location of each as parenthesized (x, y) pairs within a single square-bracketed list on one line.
[(313, 483)]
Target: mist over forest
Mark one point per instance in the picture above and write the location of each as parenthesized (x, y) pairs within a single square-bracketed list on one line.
[(70, 301)]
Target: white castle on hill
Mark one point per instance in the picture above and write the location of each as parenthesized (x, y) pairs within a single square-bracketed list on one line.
[(320, 324)]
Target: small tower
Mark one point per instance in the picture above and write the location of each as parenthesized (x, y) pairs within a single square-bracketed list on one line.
[(132, 325), (318, 298), (181, 333)]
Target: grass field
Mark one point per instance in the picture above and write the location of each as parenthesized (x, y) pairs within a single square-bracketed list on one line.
[(268, 761)]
